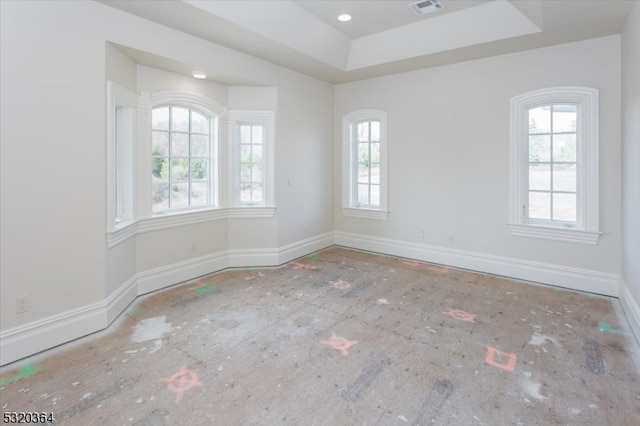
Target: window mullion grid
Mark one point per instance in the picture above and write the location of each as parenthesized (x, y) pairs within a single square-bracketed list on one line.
[(552, 161), (369, 163)]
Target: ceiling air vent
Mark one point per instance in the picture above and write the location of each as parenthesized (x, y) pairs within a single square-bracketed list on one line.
[(425, 6)]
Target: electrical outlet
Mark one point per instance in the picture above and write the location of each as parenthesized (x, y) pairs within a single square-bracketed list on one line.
[(21, 304)]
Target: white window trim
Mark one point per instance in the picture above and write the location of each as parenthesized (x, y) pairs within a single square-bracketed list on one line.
[(348, 177), (198, 103), (267, 208), (120, 164), (586, 230)]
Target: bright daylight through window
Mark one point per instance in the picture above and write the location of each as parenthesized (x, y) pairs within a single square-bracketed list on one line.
[(554, 164), (181, 158)]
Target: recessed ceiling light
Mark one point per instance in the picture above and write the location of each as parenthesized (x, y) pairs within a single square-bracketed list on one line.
[(199, 75), (345, 17)]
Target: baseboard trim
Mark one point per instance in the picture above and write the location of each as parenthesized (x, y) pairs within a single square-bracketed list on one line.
[(32, 338), (545, 273), (630, 308)]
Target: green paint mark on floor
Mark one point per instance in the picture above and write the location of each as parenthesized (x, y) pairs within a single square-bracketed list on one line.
[(205, 289), (603, 326), (312, 258), (132, 310), (26, 371)]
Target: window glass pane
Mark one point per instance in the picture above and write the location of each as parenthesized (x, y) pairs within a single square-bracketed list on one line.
[(256, 153), (540, 177), (375, 130), (199, 146), (245, 153), (257, 134), (160, 144), (179, 170), (160, 169), (363, 194), (245, 134), (245, 172), (564, 177), (363, 173), (199, 123), (564, 147), (539, 205), (540, 119), (256, 173), (363, 153), (199, 193), (199, 168), (375, 195), (363, 131), (160, 118), (375, 152), (179, 195), (539, 148), (180, 119), (245, 192), (256, 192), (179, 145), (564, 118), (375, 173), (160, 196), (564, 207)]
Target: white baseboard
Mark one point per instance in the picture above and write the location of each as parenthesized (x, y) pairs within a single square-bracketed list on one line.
[(163, 277), (29, 339), (47, 333), (631, 309), (545, 273)]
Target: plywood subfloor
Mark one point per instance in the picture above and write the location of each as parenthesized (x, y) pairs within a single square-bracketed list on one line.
[(344, 338)]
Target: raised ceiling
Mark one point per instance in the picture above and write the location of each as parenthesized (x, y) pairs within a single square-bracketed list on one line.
[(384, 37)]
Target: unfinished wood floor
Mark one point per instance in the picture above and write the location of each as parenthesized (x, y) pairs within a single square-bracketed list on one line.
[(344, 337)]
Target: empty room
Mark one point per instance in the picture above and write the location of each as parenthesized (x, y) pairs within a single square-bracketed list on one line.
[(288, 212)]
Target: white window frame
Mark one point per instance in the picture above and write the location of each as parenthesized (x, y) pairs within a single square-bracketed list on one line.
[(205, 106), (586, 228), (121, 137), (266, 119), (350, 167)]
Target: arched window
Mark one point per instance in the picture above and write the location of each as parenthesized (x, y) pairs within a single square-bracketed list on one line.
[(183, 152), (554, 164)]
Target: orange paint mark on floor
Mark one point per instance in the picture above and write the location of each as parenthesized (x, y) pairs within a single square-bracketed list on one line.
[(182, 381), (510, 365), (341, 285), (413, 264), (340, 343), (298, 265), (460, 315)]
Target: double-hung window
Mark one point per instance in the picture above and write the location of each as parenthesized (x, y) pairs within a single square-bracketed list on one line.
[(251, 135), (554, 164), (364, 164)]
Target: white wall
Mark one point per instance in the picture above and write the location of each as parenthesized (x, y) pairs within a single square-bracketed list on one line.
[(631, 168), (56, 58), (448, 159)]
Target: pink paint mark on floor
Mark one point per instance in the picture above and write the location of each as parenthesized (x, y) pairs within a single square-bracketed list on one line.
[(298, 265), (510, 358), (340, 343), (182, 381), (341, 285), (460, 315)]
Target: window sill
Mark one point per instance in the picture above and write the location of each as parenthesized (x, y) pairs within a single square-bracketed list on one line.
[(251, 212), (173, 219), (121, 232), (556, 234), (365, 213)]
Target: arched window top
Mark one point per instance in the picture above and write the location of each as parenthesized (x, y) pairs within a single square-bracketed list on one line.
[(188, 100)]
